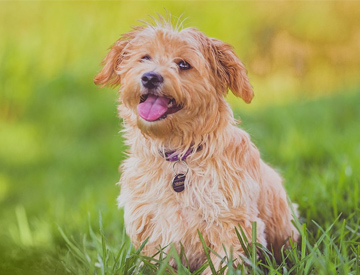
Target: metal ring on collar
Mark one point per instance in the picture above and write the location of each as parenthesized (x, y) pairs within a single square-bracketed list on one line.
[(182, 161)]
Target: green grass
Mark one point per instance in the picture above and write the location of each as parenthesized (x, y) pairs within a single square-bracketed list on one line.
[(52, 223), (60, 148)]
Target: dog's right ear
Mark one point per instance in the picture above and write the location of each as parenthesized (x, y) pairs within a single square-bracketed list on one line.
[(231, 70), (109, 76)]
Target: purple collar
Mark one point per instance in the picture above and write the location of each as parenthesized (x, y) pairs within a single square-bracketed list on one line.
[(172, 156)]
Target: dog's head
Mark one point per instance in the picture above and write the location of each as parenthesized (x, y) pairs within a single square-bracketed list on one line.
[(173, 82)]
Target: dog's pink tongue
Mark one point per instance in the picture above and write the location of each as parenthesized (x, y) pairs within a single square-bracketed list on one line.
[(153, 107)]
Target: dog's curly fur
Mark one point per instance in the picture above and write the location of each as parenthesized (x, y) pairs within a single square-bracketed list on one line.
[(227, 184)]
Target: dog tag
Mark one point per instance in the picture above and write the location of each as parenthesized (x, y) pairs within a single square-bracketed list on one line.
[(178, 183)]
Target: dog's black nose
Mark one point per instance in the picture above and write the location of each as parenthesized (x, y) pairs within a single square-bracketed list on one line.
[(151, 80)]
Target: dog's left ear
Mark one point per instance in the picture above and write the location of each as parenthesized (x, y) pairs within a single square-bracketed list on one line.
[(231, 71), (109, 73)]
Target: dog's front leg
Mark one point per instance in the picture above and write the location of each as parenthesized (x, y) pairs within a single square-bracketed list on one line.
[(228, 246)]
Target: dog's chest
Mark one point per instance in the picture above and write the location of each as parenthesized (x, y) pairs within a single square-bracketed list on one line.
[(201, 200)]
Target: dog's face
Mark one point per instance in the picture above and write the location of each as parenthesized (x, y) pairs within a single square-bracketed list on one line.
[(173, 83)]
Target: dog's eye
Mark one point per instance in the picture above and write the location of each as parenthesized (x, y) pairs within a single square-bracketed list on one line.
[(183, 65), (146, 57)]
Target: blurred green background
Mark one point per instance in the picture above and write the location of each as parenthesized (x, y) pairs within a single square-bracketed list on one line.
[(60, 146)]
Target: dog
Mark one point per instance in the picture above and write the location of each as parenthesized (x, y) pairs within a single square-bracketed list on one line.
[(190, 168)]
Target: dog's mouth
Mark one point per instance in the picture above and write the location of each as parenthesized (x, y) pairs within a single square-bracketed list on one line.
[(154, 108)]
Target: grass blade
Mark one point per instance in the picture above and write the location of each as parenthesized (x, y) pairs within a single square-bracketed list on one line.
[(206, 250)]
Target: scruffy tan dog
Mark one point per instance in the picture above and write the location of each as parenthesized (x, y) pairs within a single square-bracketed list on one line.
[(189, 167)]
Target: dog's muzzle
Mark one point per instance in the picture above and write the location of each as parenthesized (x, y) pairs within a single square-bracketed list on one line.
[(154, 105)]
